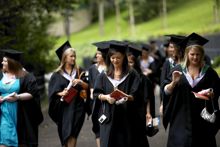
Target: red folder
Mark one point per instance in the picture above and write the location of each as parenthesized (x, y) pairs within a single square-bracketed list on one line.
[(118, 94), (72, 92)]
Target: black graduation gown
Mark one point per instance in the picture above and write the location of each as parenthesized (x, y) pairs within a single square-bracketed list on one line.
[(154, 75), (145, 94), (167, 66), (68, 117), (93, 73), (29, 114), (182, 112), (119, 128), (96, 103)]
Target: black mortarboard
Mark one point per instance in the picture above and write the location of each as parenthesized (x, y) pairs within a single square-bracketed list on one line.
[(192, 39), (102, 46), (176, 38), (195, 39), (146, 47), (117, 45), (134, 50), (166, 44), (62, 48), (152, 41), (12, 54)]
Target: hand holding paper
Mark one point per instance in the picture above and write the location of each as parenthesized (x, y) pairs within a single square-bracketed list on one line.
[(121, 101), (203, 94)]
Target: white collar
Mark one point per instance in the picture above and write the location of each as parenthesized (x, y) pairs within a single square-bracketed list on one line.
[(115, 83)]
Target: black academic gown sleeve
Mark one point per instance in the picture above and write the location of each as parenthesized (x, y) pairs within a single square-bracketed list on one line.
[(29, 112), (93, 72), (165, 71), (54, 109)]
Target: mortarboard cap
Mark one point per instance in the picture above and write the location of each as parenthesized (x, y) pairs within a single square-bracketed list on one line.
[(117, 45), (146, 47), (176, 38), (62, 48), (12, 54), (152, 41), (166, 44), (195, 39), (134, 50), (192, 39), (102, 46)]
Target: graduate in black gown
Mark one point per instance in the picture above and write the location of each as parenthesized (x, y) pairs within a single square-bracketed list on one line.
[(182, 109), (29, 114), (69, 117), (94, 71), (174, 58), (116, 116), (148, 64), (145, 98)]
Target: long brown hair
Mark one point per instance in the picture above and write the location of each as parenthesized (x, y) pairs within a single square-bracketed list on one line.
[(110, 67), (16, 68)]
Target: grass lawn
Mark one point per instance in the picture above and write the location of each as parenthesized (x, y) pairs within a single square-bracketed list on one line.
[(191, 16)]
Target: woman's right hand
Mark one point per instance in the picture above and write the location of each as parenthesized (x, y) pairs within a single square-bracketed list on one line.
[(109, 99), (63, 93), (176, 76)]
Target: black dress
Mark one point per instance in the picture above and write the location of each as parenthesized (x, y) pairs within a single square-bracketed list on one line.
[(119, 129), (68, 117), (29, 114), (182, 111)]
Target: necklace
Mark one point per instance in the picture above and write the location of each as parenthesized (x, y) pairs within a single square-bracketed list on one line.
[(7, 82)]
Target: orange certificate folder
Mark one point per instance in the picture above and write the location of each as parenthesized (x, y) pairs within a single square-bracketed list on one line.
[(118, 94), (71, 93)]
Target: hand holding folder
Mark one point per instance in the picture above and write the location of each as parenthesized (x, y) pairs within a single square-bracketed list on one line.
[(118, 94), (71, 93)]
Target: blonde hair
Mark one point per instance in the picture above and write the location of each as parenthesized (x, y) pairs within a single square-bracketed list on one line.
[(186, 59), (63, 59)]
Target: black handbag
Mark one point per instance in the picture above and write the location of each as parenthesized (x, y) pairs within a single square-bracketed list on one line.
[(152, 127)]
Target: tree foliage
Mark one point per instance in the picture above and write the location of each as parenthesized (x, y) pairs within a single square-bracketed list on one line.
[(23, 26)]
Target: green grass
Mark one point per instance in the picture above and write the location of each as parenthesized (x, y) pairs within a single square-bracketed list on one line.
[(191, 16)]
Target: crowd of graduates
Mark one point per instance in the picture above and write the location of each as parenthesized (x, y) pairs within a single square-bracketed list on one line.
[(135, 70)]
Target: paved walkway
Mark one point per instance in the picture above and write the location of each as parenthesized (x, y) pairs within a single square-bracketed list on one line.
[(48, 136)]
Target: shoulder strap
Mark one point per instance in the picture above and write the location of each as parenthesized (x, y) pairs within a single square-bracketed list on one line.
[(79, 73)]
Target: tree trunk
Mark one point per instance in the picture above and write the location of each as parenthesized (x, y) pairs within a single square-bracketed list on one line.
[(216, 11), (101, 17), (67, 23), (164, 14), (131, 16), (118, 17)]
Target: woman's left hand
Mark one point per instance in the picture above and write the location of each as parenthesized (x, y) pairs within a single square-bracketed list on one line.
[(12, 98), (210, 94), (1, 99), (77, 81)]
